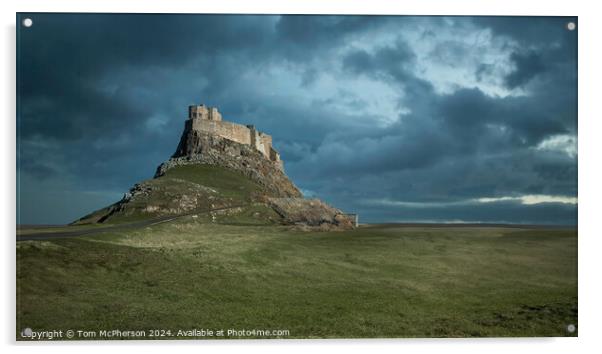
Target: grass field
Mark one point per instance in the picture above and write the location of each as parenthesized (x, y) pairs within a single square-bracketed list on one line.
[(375, 281)]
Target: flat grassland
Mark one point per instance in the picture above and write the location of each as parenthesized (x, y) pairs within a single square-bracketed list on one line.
[(375, 281)]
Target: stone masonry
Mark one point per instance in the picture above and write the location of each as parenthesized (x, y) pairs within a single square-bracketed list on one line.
[(208, 120)]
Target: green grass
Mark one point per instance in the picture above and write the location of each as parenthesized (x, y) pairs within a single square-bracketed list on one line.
[(26, 230), (210, 186), (227, 183), (378, 281)]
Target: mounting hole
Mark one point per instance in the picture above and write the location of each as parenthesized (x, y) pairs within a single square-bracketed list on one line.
[(27, 22), (571, 26), (571, 328)]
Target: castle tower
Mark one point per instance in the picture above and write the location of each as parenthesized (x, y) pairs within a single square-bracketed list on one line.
[(204, 112), (198, 111)]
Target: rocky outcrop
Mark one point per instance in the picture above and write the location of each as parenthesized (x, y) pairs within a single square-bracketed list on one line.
[(200, 148), (311, 213)]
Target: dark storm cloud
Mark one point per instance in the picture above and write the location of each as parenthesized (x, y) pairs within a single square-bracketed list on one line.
[(67, 56), (464, 144), (470, 114), (543, 43), (528, 65), (102, 101), (392, 60), (529, 30), (391, 63), (466, 123), (301, 36)]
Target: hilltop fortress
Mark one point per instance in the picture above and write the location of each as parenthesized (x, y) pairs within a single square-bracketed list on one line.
[(208, 120), (210, 140), (210, 149)]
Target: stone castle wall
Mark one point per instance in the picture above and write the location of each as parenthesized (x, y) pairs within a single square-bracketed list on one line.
[(261, 142), (209, 120), (232, 131)]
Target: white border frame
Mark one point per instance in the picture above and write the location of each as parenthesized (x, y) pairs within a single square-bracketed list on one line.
[(589, 171)]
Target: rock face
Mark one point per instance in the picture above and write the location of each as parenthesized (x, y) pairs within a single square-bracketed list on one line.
[(201, 148), (311, 213)]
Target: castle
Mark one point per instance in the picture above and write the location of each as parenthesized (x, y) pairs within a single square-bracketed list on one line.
[(209, 141), (208, 120)]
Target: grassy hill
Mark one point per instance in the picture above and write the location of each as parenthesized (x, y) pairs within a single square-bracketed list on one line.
[(183, 189), (375, 281)]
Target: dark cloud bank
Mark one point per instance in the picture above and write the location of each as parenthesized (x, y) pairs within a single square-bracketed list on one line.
[(396, 118)]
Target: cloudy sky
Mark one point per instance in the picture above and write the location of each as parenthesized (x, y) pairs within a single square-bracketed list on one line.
[(432, 119)]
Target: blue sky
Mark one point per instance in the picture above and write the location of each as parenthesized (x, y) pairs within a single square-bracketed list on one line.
[(400, 119)]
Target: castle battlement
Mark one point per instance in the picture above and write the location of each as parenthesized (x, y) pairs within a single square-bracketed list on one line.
[(204, 112), (208, 120)]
